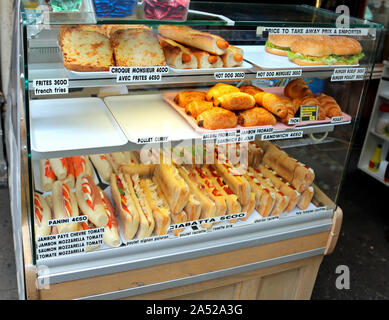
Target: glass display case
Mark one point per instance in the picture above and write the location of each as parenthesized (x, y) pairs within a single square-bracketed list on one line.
[(194, 159)]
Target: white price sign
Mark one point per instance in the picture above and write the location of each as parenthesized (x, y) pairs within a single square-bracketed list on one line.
[(229, 75), (317, 31), (348, 74), (282, 135), (51, 86), (279, 73), (139, 74)]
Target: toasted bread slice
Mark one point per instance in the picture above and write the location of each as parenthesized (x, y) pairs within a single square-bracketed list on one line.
[(84, 50), (137, 47)]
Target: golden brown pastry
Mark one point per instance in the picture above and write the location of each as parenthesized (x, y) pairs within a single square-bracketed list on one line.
[(253, 90), (220, 89), (184, 97), (297, 89), (272, 103), (256, 117), (291, 107), (311, 101), (194, 108), (235, 101), (329, 105), (217, 118)]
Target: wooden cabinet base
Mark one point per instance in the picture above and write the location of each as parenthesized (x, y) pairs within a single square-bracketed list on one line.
[(292, 280), (278, 270)]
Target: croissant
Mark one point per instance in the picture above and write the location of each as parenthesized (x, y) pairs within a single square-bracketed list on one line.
[(220, 89), (311, 101), (184, 97), (235, 101), (330, 106), (297, 89), (272, 103), (252, 90), (217, 118), (256, 117), (194, 108), (291, 107)]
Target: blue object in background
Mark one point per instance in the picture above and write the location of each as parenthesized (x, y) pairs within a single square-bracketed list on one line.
[(316, 85), (115, 8)]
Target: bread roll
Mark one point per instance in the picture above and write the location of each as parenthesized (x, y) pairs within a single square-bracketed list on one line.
[(235, 101), (177, 55), (194, 38), (256, 117), (217, 118)]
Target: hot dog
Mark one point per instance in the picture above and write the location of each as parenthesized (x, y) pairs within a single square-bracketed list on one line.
[(90, 201), (42, 215), (128, 213), (65, 206)]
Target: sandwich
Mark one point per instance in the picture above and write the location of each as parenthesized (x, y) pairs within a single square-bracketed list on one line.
[(345, 50), (334, 50), (279, 44)]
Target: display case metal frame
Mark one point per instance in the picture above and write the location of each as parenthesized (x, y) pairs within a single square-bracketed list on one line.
[(307, 237)]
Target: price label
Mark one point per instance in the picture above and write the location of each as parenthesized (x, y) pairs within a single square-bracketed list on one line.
[(282, 135), (348, 74), (139, 74), (308, 113), (294, 121), (229, 75), (51, 86), (337, 119), (152, 140), (279, 73), (141, 77), (317, 31), (63, 244)]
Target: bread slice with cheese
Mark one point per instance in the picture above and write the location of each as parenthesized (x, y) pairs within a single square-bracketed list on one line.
[(137, 47), (85, 50)]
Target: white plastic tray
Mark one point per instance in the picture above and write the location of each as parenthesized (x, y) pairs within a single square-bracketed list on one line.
[(265, 60), (143, 116), (72, 124)]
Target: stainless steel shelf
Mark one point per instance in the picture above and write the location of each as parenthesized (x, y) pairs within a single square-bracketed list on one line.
[(177, 129), (126, 258)]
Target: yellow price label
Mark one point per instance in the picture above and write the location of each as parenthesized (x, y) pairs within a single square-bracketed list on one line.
[(308, 113)]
